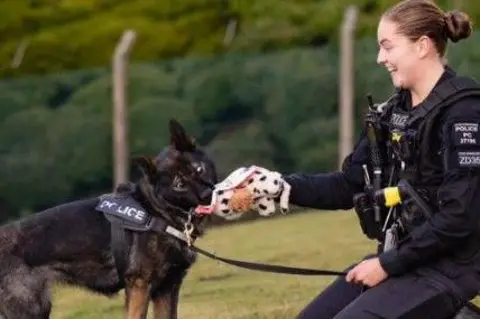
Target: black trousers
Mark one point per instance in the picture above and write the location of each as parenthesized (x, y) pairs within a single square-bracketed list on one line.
[(407, 297)]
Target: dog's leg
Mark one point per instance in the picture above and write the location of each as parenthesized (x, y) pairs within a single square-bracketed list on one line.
[(136, 300), (165, 306), (165, 298), (161, 307)]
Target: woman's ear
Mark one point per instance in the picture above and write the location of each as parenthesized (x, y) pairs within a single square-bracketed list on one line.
[(424, 47)]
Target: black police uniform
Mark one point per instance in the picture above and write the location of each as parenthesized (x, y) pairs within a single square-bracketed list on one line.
[(435, 268)]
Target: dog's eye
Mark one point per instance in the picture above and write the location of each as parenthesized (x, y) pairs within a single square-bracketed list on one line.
[(199, 169), (178, 183)]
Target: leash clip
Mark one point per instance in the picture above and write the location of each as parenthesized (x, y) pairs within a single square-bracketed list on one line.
[(188, 230)]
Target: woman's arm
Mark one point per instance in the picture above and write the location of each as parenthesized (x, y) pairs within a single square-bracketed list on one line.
[(333, 190)]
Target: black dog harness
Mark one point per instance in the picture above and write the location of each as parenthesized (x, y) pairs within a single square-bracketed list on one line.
[(128, 217)]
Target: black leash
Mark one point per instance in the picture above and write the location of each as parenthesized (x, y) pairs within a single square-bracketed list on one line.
[(271, 268)]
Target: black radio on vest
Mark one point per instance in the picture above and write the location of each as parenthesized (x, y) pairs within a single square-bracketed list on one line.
[(369, 211)]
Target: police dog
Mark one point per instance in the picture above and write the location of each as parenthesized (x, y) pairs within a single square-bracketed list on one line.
[(72, 243)]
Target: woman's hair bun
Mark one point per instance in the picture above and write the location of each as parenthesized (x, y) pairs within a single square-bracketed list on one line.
[(458, 25)]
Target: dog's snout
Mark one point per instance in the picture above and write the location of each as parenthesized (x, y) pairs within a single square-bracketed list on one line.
[(206, 195)]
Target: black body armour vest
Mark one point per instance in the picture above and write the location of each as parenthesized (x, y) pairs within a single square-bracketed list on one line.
[(414, 140)]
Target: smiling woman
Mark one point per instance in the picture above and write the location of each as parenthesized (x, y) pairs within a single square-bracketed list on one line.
[(413, 38), (429, 252)]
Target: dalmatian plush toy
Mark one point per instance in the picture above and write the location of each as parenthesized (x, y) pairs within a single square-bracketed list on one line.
[(249, 189)]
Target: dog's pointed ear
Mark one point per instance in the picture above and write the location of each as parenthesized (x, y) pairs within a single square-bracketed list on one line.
[(179, 138), (146, 165)]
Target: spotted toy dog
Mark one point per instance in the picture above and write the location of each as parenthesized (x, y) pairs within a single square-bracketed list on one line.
[(250, 189)]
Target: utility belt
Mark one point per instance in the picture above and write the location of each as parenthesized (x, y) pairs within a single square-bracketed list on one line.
[(403, 209)]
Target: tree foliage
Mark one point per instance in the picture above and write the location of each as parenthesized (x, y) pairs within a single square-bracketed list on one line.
[(62, 35)]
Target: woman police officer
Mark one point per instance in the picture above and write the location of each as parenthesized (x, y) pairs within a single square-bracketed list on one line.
[(422, 276)]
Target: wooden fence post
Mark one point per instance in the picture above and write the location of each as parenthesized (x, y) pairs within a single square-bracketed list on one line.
[(120, 111), (346, 83)]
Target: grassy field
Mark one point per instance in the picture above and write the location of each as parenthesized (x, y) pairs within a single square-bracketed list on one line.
[(217, 290)]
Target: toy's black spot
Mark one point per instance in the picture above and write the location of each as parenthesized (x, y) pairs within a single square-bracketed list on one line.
[(225, 201), (263, 178), (263, 207)]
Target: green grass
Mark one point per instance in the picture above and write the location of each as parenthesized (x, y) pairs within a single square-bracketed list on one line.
[(216, 290)]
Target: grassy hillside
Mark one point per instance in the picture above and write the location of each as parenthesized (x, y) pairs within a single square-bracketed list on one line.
[(216, 290)]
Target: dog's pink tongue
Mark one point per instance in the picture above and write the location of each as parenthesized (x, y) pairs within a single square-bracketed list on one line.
[(204, 210)]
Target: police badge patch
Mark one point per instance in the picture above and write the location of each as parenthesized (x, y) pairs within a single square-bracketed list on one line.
[(465, 146), (469, 159), (399, 120), (125, 210), (466, 134), (123, 207)]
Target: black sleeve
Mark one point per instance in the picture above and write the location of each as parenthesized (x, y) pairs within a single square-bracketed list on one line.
[(333, 190), (459, 195)]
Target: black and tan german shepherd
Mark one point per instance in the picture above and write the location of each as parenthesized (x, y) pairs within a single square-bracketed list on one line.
[(73, 243)]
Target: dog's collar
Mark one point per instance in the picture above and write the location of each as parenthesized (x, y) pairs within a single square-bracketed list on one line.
[(179, 234), (186, 235)]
